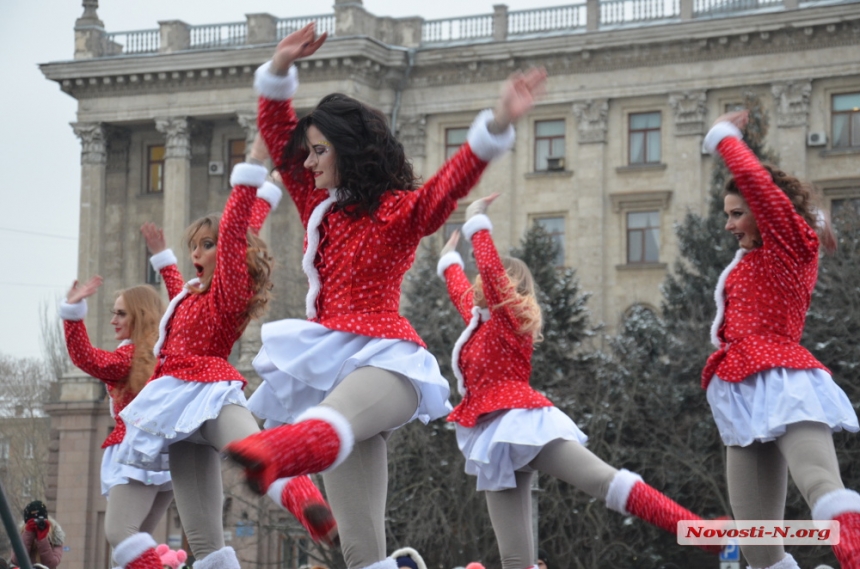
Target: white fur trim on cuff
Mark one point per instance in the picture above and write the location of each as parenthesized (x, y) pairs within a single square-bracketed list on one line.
[(787, 562), (718, 132), (340, 425), (387, 563), (446, 260), (270, 193), (619, 490), (486, 145), (224, 558), (245, 174), (835, 503), (76, 311), (475, 224), (276, 87), (412, 554), (133, 547), (276, 490), (163, 259)]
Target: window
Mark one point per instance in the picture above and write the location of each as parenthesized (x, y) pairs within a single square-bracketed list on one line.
[(643, 237), (155, 169), (454, 139), (463, 247), (732, 107), (29, 449), (27, 487), (554, 226), (153, 277), (294, 552), (4, 450), (644, 143), (846, 120), (236, 150), (838, 206), (549, 145)]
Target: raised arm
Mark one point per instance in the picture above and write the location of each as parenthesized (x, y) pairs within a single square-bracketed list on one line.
[(781, 227), (162, 259), (450, 268)]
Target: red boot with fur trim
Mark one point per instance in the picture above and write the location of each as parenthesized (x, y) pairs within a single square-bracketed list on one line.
[(320, 439), (842, 506), (137, 552), (301, 497)]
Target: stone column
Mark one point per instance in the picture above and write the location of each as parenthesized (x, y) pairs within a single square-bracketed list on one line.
[(686, 9), (592, 15), (90, 37), (791, 101), (500, 22), (177, 185), (175, 36), (262, 28)]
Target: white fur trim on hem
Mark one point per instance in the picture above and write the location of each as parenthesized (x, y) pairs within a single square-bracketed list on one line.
[(270, 193), (340, 425), (619, 490), (314, 283), (720, 297), (412, 554), (276, 87), (224, 558), (133, 547), (446, 260), (76, 311), (486, 145), (245, 174), (787, 562), (163, 259), (836, 503), (718, 132), (387, 563), (475, 224)]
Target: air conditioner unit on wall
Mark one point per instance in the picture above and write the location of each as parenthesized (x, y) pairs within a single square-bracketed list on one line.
[(816, 139), (216, 168), (555, 164)]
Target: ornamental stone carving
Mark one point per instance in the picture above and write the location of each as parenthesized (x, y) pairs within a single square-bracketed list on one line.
[(177, 134), (689, 108), (248, 121), (93, 142), (591, 119), (412, 135), (792, 102)]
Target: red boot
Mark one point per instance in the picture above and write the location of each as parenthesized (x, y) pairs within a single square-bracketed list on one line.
[(629, 495), (137, 552), (842, 506), (302, 498), (320, 439)]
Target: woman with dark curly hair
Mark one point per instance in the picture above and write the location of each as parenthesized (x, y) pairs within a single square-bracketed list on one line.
[(356, 369), (775, 405)]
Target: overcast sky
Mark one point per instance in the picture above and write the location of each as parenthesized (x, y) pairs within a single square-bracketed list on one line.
[(40, 156)]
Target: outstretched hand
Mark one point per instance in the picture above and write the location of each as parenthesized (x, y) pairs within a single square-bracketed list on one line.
[(153, 235), (451, 245), (481, 205), (259, 150), (518, 96), (737, 118), (299, 44), (78, 292)]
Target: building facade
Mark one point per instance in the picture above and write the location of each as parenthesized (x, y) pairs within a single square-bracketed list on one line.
[(608, 161)]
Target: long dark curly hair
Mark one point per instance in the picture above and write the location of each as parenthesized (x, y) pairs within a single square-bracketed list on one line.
[(370, 160)]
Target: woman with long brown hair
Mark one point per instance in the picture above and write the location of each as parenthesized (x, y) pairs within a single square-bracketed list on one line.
[(137, 498)]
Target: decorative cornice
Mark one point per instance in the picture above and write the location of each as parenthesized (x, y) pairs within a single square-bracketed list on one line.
[(627, 200), (178, 137), (93, 142), (792, 102), (591, 120), (689, 108)]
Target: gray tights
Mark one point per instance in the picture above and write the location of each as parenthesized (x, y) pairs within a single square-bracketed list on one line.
[(195, 468), (758, 478), (134, 507), (374, 401)]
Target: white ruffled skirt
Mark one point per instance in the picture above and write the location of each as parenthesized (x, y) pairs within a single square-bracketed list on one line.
[(168, 410), (114, 473), (761, 406), (506, 441), (301, 362)]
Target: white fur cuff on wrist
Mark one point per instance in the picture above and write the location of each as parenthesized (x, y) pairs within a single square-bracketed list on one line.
[(446, 260), (77, 311), (270, 193), (475, 224), (486, 145), (163, 259), (718, 132), (276, 87), (245, 174)]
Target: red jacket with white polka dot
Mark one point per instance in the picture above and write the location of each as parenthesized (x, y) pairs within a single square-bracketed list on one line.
[(492, 357), (763, 296), (355, 267)]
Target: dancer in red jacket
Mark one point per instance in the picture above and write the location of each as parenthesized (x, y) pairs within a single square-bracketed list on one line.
[(137, 498), (356, 369), (506, 429), (194, 404), (775, 405)]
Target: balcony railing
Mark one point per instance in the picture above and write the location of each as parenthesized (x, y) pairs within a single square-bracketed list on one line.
[(218, 35), (716, 8), (614, 12), (286, 26), (457, 29), (547, 20), (140, 41)]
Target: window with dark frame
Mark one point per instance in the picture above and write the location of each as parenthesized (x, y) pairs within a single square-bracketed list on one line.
[(236, 153), (454, 139), (554, 226), (549, 145), (643, 237), (644, 138), (845, 117), (155, 169)]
